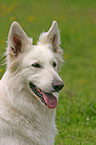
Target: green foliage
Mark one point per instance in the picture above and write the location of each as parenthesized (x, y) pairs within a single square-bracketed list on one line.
[(76, 111)]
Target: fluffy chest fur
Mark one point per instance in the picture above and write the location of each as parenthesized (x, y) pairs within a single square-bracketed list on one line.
[(31, 125)]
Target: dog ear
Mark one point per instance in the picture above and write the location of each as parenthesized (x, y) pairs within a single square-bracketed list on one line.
[(17, 39), (52, 36)]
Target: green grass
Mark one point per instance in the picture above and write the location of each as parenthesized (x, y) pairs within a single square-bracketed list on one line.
[(76, 111)]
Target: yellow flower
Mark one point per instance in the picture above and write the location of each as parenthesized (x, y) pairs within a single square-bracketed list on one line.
[(10, 8), (66, 56), (15, 4), (12, 18), (0, 70), (3, 7), (30, 18), (82, 81)]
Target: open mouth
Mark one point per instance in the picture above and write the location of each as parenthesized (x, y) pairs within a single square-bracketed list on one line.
[(47, 99)]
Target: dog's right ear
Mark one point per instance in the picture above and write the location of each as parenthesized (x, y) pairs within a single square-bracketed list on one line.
[(17, 39)]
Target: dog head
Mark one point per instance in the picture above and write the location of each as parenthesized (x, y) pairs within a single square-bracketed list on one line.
[(36, 65)]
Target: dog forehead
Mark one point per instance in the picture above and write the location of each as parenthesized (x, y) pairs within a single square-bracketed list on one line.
[(41, 53)]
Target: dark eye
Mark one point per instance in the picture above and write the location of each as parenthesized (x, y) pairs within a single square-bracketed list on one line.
[(36, 65), (54, 64)]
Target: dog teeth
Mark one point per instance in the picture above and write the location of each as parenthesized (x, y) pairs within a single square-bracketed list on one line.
[(43, 101), (38, 92), (38, 89)]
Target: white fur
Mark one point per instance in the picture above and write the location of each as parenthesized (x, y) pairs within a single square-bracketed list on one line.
[(23, 119)]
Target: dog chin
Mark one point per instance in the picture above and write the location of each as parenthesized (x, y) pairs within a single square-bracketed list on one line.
[(47, 99)]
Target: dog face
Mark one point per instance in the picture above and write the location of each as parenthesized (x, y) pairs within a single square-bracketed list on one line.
[(37, 65)]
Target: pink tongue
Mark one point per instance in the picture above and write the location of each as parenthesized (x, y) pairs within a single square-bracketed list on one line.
[(50, 100)]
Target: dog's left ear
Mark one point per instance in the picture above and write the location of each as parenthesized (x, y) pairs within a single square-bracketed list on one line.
[(52, 36)]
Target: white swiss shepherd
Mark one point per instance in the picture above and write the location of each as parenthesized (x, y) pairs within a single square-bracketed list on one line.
[(29, 88)]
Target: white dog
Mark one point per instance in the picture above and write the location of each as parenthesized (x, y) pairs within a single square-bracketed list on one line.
[(29, 88)]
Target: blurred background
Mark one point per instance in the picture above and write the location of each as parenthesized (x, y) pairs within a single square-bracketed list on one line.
[(76, 111)]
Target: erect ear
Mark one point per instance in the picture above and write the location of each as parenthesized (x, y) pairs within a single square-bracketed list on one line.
[(17, 39), (52, 36)]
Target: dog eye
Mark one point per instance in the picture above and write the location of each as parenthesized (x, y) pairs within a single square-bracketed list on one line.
[(36, 65), (54, 64)]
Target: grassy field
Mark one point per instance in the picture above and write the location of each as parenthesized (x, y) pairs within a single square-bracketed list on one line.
[(76, 111)]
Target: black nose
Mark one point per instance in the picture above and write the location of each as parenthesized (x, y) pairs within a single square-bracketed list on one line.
[(57, 85)]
